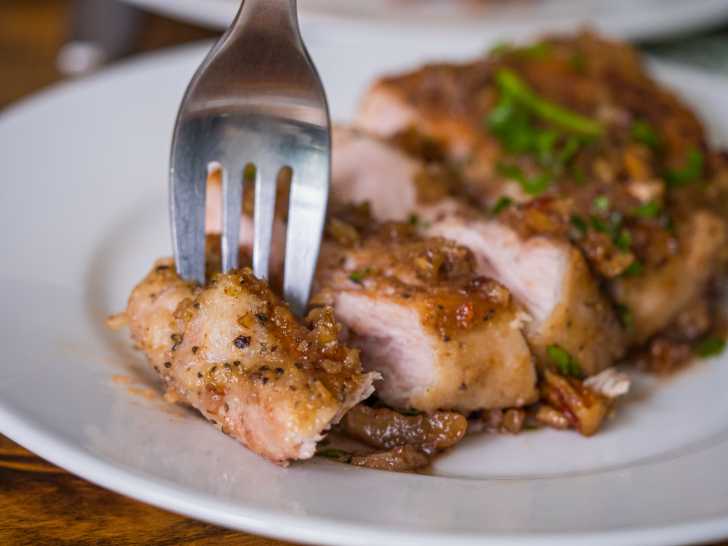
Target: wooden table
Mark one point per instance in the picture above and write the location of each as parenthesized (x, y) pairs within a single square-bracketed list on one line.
[(39, 502)]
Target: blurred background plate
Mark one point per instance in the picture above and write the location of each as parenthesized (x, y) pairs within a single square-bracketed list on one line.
[(629, 19)]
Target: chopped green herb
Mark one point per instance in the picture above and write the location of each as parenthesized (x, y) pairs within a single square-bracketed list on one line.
[(579, 224), (623, 239), (534, 185), (651, 209), (545, 143), (564, 362), (626, 317), (512, 85), (634, 269), (710, 346), (502, 204), (601, 203), (644, 133), (360, 275), (692, 170), (335, 454), (413, 220), (512, 126), (534, 51), (531, 51), (568, 151), (601, 225)]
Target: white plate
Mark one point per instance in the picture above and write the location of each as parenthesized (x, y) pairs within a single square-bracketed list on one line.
[(630, 19), (83, 214)]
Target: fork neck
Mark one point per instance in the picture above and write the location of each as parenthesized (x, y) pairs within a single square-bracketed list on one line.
[(273, 16)]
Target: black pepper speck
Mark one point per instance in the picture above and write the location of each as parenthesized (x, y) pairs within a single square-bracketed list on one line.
[(241, 342)]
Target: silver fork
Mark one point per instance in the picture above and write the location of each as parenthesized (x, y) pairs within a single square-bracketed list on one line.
[(256, 99)]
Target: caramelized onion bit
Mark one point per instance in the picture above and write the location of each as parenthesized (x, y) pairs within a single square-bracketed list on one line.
[(384, 428), (405, 458)]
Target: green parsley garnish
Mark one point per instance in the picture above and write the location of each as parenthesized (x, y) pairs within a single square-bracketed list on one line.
[(565, 364), (413, 220), (644, 133), (692, 170), (359, 276), (502, 204), (710, 346), (512, 127), (634, 269), (534, 51), (513, 86), (601, 203), (651, 209), (579, 225), (534, 185), (623, 239), (601, 225), (626, 317)]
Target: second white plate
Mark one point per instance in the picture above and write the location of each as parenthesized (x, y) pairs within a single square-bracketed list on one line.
[(357, 20)]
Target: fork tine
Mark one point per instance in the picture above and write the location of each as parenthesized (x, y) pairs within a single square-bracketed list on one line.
[(187, 211), (265, 203), (232, 199), (306, 218)]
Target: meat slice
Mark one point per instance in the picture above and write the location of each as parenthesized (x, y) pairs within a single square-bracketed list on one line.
[(552, 280), (234, 351), (436, 99), (656, 297), (441, 336), (150, 314), (549, 277)]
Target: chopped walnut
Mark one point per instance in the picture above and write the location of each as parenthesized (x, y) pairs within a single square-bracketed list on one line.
[(584, 408)]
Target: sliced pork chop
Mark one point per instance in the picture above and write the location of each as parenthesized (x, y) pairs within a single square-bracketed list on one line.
[(549, 277), (236, 353), (656, 297), (552, 280), (441, 336), (436, 99)]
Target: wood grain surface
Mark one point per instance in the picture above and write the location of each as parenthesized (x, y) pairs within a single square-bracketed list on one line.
[(39, 502)]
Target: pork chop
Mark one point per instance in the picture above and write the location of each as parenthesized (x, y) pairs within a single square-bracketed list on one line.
[(548, 277), (441, 336), (235, 352)]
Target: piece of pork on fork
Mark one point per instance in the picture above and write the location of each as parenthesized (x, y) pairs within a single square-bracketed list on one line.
[(442, 336), (235, 352), (550, 278)]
